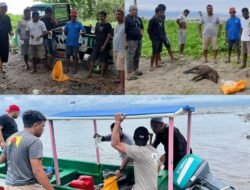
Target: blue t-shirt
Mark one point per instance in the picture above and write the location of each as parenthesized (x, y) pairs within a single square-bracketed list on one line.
[(72, 30), (233, 27)]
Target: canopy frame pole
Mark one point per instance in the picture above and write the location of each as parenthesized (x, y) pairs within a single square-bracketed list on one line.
[(170, 153), (55, 157), (189, 132), (97, 149)]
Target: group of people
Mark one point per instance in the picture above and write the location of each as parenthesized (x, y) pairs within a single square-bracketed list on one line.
[(236, 29), (22, 151), (38, 39), (237, 34), (141, 152)]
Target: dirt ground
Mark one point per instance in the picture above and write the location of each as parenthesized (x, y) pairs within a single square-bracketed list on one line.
[(169, 79), (21, 81)]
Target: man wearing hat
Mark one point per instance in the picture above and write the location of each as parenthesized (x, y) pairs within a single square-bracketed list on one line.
[(180, 144), (8, 125), (5, 31), (73, 30), (233, 31), (145, 156)]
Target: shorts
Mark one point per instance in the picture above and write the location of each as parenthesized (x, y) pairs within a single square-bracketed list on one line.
[(25, 187), (166, 42), (234, 43), (245, 47), (50, 46), (119, 60), (103, 56), (182, 36), (72, 51), (24, 47), (209, 40), (156, 46), (37, 51)]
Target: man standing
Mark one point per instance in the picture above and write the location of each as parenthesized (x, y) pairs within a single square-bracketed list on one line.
[(73, 30), (103, 32), (155, 29), (124, 138), (233, 31), (8, 125), (182, 35), (24, 153), (119, 47), (49, 39), (36, 29), (145, 156), (164, 37), (134, 32), (5, 31), (210, 34), (245, 37), (161, 131), (24, 38)]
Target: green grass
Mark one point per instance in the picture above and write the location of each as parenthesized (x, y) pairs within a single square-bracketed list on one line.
[(194, 43), (14, 20)]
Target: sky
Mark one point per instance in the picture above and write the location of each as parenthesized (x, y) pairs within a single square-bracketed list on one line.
[(220, 6), (17, 6), (54, 104)]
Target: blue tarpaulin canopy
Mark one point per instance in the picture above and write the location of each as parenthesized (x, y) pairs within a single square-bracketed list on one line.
[(131, 112)]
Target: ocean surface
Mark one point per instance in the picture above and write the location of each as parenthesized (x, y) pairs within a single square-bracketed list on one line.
[(218, 136)]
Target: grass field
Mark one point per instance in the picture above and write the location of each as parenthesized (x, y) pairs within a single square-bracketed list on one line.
[(193, 46)]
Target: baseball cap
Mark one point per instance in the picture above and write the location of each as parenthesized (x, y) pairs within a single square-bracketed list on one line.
[(13, 108), (157, 119), (141, 136), (232, 10), (73, 13)]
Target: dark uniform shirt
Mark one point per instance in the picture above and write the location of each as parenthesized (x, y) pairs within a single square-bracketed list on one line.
[(102, 30), (133, 27), (5, 29), (50, 25), (9, 126), (155, 28), (180, 145)]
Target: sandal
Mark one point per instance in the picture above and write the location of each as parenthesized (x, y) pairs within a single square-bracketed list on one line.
[(138, 73), (133, 77)]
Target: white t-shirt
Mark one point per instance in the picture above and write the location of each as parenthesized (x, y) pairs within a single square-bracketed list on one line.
[(36, 29), (182, 18), (146, 162), (245, 25), (22, 26)]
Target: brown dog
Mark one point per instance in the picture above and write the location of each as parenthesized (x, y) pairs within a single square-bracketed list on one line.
[(204, 72)]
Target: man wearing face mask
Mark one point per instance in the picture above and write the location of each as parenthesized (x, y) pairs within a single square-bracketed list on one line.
[(8, 125), (180, 144)]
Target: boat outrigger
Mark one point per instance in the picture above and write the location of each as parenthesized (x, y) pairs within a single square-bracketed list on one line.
[(191, 172)]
